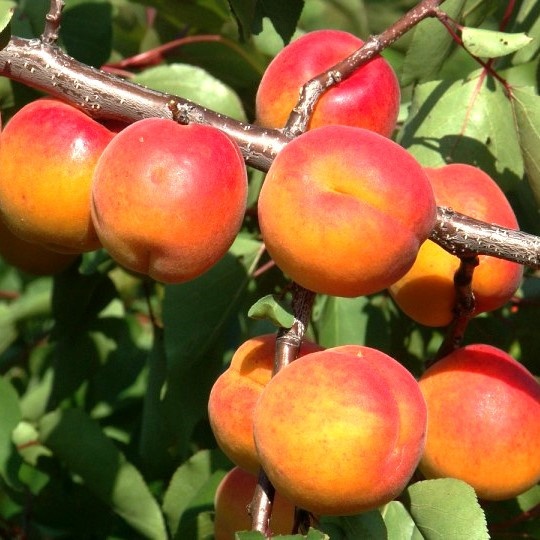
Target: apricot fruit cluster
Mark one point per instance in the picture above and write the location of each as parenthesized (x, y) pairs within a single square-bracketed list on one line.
[(165, 200), (483, 422)]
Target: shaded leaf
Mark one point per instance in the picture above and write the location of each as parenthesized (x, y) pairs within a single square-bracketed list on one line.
[(468, 121), (526, 104), (195, 84), (244, 13), (271, 308), (79, 443), (368, 526), (492, 44), (9, 419), (191, 491), (446, 508), (430, 35), (283, 14), (528, 20)]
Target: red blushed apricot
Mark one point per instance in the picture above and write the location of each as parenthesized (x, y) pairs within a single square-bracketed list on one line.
[(343, 210), (483, 422), (235, 393), (167, 199), (48, 152), (32, 258), (369, 98), (426, 293), (340, 431), (231, 501)]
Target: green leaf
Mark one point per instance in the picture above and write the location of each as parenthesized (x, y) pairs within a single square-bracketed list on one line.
[(368, 526), (492, 44), (191, 491), (526, 104), (7, 9), (283, 14), (467, 121), (195, 84), (399, 523), (429, 35), (79, 443), (9, 419), (271, 308), (527, 20), (244, 13), (446, 508)]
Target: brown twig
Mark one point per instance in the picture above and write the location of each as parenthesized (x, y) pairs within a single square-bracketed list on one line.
[(52, 22), (313, 89)]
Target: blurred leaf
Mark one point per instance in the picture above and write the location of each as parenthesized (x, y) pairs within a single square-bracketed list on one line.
[(191, 491), (283, 14), (491, 44), (528, 20), (195, 84), (430, 35), (9, 418), (7, 9), (446, 508), (79, 443), (271, 308), (465, 122), (526, 104), (86, 31), (368, 526), (399, 523)]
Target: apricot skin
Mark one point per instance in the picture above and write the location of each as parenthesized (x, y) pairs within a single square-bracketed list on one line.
[(483, 422), (340, 220), (167, 199), (426, 293), (48, 151), (369, 98), (233, 495), (340, 431), (235, 393)]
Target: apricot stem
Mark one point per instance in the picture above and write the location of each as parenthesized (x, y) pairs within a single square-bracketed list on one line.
[(314, 89)]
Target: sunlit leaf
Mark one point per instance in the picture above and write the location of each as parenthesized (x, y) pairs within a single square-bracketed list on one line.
[(271, 308), (492, 44)]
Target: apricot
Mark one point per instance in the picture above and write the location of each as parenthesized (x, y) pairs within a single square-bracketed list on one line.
[(231, 501), (167, 199), (235, 393), (483, 422), (426, 293), (340, 431), (48, 152), (369, 98), (343, 210), (31, 258)]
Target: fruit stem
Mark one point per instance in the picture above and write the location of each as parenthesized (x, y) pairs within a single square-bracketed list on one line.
[(52, 22)]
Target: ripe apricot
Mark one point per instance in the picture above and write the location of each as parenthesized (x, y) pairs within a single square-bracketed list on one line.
[(235, 393), (48, 151), (426, 292), (369, 98), (340, 431), (168, 199), (343, 210), (231, 501), (483, 422)]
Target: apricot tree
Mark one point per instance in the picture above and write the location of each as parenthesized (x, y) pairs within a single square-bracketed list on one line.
[(110, 352)]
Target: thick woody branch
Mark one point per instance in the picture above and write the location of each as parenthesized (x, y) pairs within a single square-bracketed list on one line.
[(313, 89)]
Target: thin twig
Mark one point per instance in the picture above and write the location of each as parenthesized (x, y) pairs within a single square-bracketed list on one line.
[(313, 89), (52, 22)]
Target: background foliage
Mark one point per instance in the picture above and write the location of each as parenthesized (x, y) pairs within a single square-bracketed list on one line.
[(105, 377)]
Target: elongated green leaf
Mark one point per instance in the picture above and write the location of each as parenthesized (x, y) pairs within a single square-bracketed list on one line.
[(79, 443), (430, 35), (527, 20), (195, 84), (7, 7), (446, 508), (9, 418), (468, 121), (271, 308), (526, 104), (399, 522), (191, 491), (492, 44), (244, 13)]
